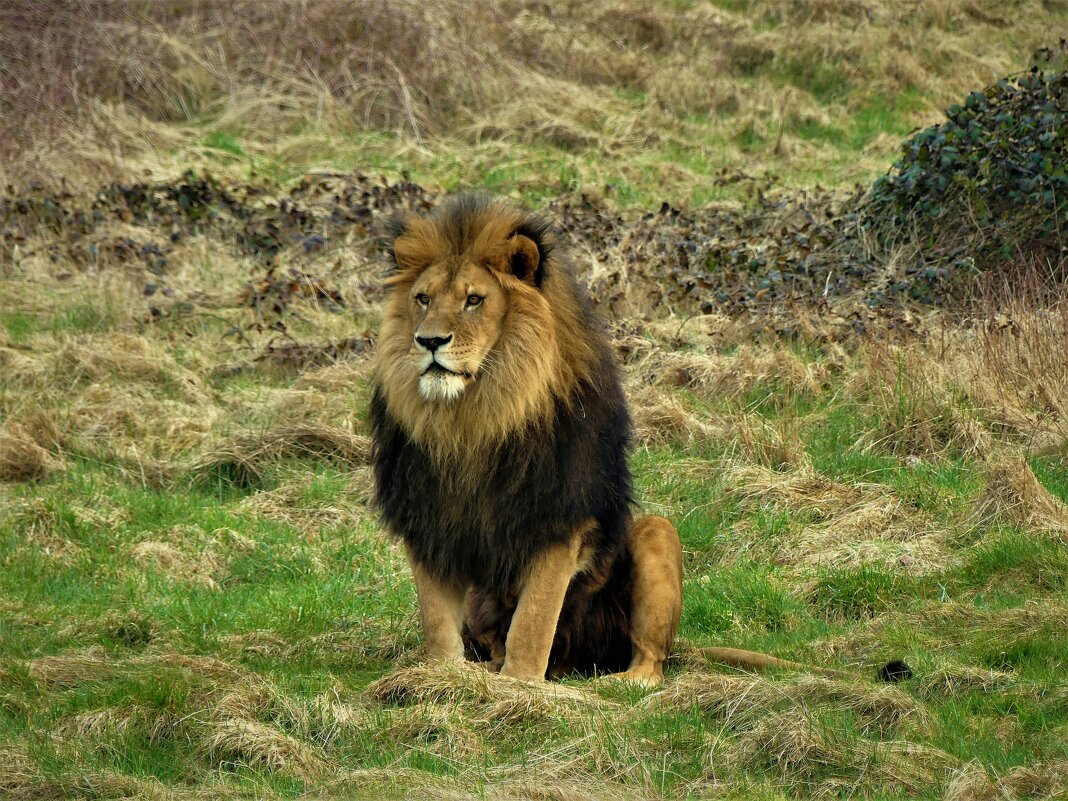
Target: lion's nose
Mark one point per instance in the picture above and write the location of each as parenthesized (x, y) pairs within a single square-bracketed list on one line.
[(433, 343)]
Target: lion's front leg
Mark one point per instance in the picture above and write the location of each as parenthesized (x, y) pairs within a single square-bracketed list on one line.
[(441, 611), (533, 626)]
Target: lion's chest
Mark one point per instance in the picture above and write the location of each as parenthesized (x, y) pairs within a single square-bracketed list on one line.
[(530, 492)]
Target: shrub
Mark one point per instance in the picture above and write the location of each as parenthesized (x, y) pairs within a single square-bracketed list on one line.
[(983, 188)]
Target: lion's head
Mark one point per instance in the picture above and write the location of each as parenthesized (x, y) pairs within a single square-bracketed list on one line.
[(482, 330)]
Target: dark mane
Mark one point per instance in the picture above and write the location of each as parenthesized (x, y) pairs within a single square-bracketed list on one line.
[(535, 490)]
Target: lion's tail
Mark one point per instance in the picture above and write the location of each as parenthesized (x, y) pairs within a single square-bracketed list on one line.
[(752, 660)]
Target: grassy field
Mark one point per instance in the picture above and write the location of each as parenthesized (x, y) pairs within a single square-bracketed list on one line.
[(196, 600)]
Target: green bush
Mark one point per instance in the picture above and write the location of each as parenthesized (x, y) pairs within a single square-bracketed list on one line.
[(986, 186)]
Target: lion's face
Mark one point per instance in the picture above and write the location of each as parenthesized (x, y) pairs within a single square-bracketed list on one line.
[(455, 316), (478, 337)]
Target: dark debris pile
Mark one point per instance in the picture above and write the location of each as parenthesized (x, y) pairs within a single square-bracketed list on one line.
[(738, 259), (808, 248), (257, 223), (782, 247)]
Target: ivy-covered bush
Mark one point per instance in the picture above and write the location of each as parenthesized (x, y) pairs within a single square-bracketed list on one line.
[(987, 186)]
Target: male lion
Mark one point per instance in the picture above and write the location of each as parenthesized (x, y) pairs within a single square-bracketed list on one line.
[(500, 433), (500, 438)]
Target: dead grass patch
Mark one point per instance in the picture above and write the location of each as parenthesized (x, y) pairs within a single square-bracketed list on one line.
[(124, 356), (741, 701), (157, 724), (537, 787), (1019, 373), (811, 757), (22, 459), (40, 427), (485, 696), (918, 404), (775, 444), (741, 373), (951, 681), (289, 503), (69, 670), (433, 728), (191, 555), (259, 746), (1043, 780), (243, 459), (660, 419), (96, 664), (1012, 495), (972, 625), (132, 420), (21, 779), (841, 524), (169, 561)]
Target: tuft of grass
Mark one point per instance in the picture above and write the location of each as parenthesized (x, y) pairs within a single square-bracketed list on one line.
[(861, 593)]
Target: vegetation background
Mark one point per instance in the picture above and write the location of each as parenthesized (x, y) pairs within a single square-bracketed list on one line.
[(851, 397)]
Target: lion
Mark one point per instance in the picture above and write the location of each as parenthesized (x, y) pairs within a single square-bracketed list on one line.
[(500, 434)]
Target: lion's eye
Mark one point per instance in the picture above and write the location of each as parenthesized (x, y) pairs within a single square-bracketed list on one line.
[(422, 299), (474, 300)]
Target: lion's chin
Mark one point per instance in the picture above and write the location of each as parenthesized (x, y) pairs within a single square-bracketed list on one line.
[(440, 385)]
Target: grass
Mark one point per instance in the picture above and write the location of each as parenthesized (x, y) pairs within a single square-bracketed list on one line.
[(196, 598), (647, 102), (230, 638)]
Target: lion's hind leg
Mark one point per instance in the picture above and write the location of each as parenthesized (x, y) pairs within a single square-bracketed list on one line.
[(656, 599)]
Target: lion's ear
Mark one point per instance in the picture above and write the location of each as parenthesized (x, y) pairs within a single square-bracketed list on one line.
[(395, 228), (519, 257)]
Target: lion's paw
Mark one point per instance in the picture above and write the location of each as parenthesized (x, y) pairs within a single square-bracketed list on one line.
[(640, 677)]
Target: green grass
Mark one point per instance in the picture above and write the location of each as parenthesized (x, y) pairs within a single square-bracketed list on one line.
[(283, 595), (225, 142), (306, 612), (78, 318)]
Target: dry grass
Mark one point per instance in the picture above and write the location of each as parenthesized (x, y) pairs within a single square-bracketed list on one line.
[(918, 401), (741, 701), (19, 778), (235, 741), (814, 760), (785, 728), (22, 459), (289, 503), (1044, 780), (1011, 495), (661, 419), (242, 460), (1020, 371), (954, 680), (776, 446), (109, 89), (95, 664), (843, 524), (739, 374), (485, 696)]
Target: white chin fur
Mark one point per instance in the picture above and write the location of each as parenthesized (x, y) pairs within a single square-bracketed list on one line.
[(441, 386)]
